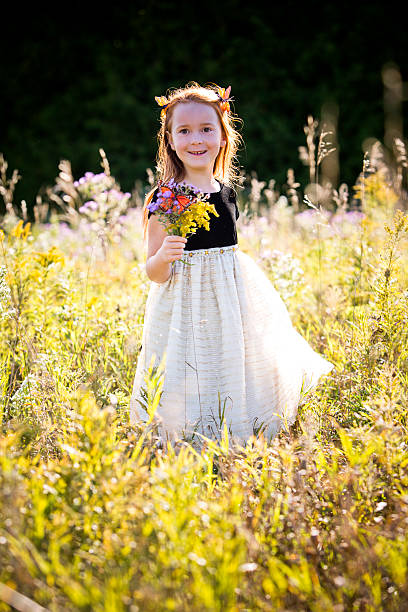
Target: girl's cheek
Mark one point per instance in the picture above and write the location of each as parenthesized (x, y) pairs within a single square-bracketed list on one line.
[(216, 137)]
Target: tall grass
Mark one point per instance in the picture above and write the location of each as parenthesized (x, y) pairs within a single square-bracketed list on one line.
[(98, 514)]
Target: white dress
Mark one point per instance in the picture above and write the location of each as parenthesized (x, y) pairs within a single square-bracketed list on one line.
[(231, 352)]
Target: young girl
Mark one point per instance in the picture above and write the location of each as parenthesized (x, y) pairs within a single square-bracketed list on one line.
[(230, 351)]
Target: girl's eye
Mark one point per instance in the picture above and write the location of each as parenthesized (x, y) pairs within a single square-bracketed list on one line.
[(208, 129), (183, 130)]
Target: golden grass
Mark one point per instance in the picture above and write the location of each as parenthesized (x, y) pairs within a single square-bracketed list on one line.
[(96, 515)]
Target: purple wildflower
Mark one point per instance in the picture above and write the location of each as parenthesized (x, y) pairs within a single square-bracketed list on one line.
[(89, 205), (354, 216), (97, 178), (307, 217)]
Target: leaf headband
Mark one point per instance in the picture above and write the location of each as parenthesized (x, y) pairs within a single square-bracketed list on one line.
[(223, 96)]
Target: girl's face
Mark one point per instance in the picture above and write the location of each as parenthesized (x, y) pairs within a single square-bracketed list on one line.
[(196, 136)]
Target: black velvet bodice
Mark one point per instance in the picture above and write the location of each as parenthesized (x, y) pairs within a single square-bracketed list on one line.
[(223, 231)]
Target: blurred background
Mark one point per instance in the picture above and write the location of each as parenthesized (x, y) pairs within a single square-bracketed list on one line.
[(77, 78)]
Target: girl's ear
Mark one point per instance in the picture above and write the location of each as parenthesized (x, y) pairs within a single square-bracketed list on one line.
[(170, 139), (223, 142)]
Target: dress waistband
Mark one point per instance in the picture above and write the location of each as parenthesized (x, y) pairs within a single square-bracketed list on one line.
[(211, 251)]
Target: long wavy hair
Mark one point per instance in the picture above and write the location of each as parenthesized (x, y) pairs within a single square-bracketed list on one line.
[(169, 165)]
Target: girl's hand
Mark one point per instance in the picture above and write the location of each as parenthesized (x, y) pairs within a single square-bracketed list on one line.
[(172, 248)]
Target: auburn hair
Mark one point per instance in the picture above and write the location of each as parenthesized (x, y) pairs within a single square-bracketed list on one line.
[(168, 164)]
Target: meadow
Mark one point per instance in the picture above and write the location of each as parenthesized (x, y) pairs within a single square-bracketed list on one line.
[(96, 514)]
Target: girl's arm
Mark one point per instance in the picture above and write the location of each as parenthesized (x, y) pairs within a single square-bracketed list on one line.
[(162, 249)]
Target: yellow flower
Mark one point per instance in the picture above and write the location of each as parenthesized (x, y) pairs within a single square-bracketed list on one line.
[(92, 301), (197, 215), (375, 193), (53, 255), (19, 231)]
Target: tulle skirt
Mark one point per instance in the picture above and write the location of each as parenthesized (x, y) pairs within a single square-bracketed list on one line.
[(231, 353)]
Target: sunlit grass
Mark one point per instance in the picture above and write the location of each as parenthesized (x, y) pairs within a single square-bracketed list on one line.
[(97, 514)]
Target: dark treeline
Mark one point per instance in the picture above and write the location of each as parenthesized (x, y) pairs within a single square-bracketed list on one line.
[(79, 80)]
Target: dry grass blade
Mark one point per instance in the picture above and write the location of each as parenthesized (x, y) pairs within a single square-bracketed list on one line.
[(292, 187), (310, 131), (18, 601), (400, 152), (323, 149), (7, 186), (104, 162)]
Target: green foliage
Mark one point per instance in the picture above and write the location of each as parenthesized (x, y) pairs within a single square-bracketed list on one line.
[(97, 514)]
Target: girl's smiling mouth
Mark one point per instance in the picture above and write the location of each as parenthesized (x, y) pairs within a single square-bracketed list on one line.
[(197, 152)]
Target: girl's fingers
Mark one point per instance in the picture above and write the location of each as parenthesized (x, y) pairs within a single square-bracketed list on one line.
[(175, 252), (176, 239), (176, 247)]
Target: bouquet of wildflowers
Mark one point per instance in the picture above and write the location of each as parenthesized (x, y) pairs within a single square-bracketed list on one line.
[(181, 208)]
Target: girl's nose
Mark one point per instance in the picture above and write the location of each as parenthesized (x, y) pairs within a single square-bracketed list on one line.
[(196, 138)]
